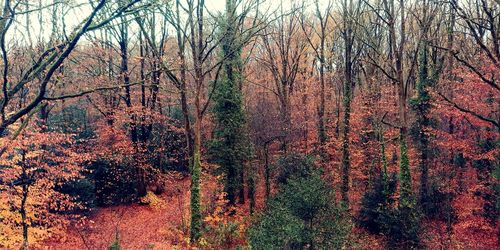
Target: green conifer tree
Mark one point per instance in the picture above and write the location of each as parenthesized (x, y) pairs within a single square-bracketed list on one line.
[(229, 145)]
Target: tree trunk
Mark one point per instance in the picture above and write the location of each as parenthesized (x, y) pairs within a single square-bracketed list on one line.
[(348, 37), (251, 192), (195, 184), (422, 105), (22, 209), (267, 171), (322, 137), (346, 164)]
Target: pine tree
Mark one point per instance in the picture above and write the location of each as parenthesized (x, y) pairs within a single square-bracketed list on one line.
[(303, 214)]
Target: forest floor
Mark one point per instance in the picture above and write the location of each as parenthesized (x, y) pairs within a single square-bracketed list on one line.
[(158, 225), (163, 222)]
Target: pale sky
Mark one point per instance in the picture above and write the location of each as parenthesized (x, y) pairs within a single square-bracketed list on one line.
[(41, 30)]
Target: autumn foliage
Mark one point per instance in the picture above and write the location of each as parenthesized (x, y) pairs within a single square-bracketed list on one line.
[(182, 124)]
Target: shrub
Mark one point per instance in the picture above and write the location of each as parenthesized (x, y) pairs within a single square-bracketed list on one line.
[(377, 203), (380, 215), (438, 205), (276, 228), (114, 183), (82, 191), (303, 214), (403, 228), (294, 166), (114, 246)]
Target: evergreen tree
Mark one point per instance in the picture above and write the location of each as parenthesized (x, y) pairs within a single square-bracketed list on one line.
[(303, 215), (378, 213), (229, 145), (377, 203), (421, 105)]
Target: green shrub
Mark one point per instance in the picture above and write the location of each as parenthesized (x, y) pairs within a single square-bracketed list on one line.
[(294, 166), (114, 246), (380, 215), (303, 214), (82, 191), (377, 203)]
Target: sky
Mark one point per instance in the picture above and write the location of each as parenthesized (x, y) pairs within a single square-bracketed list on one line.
[(19, 34)]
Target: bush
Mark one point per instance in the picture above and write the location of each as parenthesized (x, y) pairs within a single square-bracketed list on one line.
[(403, 228), (82, 190), (114, 183), (276, 229), (294, 166), (438, 205), (380, 215), (377, 203), (303, 214)]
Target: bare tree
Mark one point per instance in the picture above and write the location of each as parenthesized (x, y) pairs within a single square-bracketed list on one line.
[(321, 30), (351, 18), (480, 20), (47, 63), (284, 50)]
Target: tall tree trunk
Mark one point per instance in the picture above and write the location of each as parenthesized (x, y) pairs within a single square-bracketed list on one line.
[(251, 191), (124, 71), (197, 42), (322, 137), (195, 184), (22, 210), (267, 171), (348, 38), (182, 87), (346, 164), (422, 106), (24, 221)]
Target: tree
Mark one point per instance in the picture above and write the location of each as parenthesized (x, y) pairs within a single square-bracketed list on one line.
[(319, 47), (303, 214), (421, 104), (229, 146), (351, 13), (46, 64), (282, 55), (35, 166), (263, 132), (377, 204), (192, 33), (203, 67)]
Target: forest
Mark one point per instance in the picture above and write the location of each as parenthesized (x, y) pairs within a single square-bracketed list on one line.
[(249, 124)]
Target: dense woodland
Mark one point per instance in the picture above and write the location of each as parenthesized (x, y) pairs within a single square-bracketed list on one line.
[(249, 124)]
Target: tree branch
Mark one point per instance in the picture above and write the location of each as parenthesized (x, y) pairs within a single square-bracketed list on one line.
[(480, 117)]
